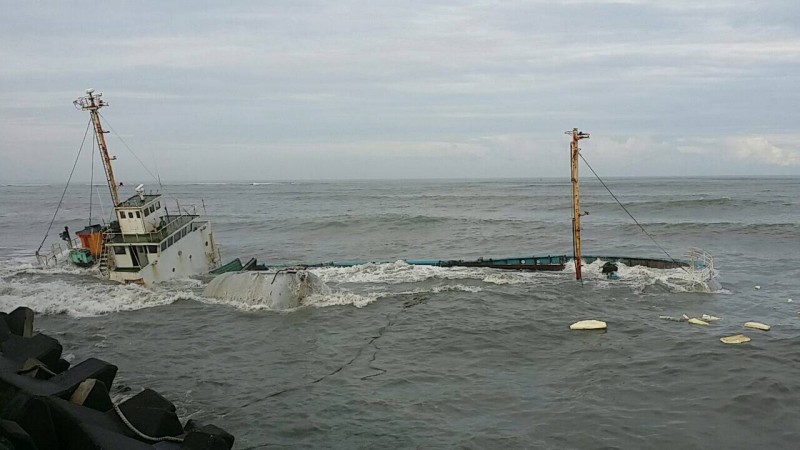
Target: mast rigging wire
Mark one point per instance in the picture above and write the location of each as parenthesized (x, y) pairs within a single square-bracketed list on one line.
[(85, 133), (157, 179), (91, 186), (629, 214)]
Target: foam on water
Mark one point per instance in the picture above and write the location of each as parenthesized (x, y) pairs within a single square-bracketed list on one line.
[(639, 278), (400, 272)]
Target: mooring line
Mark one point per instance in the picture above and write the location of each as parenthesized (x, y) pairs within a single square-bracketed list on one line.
[(391, 319), (631, 215)]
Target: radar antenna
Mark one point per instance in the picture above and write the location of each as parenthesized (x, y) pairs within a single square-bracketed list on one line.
[(93, 102)]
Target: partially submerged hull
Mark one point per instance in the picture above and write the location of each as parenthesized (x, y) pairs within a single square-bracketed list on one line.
[(270, 289)]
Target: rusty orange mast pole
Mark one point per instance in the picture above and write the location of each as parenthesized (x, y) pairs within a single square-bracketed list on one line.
[(576, 201), (92, 103)]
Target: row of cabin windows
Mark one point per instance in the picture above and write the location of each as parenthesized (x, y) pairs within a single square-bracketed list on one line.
[(130, 215), (141, 249), (175, 238), (149, 210)]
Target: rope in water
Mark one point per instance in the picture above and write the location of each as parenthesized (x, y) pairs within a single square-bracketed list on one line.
[(65, 187), (631, 215)]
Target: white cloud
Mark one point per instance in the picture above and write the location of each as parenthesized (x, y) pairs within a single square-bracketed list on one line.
[(759, 149)]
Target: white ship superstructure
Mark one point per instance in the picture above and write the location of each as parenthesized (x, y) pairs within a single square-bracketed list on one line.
[(144, 242)]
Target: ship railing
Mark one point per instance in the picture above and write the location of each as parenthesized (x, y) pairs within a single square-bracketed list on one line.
[(701, 264), (154, 237), (58, 251)]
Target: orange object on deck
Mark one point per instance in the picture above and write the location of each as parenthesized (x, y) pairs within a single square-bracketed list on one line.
[(92, 239)]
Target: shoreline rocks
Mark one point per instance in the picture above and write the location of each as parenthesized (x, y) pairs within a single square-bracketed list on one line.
[(45, 402)]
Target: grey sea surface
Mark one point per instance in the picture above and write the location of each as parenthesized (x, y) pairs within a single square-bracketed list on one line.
[(419, 357)]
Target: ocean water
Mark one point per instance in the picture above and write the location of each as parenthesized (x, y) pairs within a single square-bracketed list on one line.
[(397, 356)]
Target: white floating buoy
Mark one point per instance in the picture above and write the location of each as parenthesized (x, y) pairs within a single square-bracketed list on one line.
[(695, 321), (789, 301), (588, 325), (674, 319), (708, 318), (685, 317), (757, 326), (758, 287), (737, 339)]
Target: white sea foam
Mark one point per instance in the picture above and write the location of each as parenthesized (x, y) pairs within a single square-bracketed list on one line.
[(401, 272), (640, 278), (82, 298)]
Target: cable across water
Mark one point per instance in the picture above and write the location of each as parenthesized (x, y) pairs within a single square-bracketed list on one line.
[(629, 214)]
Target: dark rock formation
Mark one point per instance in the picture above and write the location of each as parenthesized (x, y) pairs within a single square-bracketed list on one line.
[(46, 404)]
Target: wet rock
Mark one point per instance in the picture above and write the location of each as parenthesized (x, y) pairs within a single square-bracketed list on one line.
[(33, 416), (152, 414), (91, 368), (93, 394), (16, 436), (588, 325), (206, 437), (41, 347), (148, 398), (757, 326), (20, 321), (35, 369), (70, 408), (709, 318)]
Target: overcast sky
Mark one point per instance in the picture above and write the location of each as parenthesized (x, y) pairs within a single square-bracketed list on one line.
[(406, 89)]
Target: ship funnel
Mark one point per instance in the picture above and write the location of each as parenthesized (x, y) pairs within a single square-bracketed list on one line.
[(140, 190)]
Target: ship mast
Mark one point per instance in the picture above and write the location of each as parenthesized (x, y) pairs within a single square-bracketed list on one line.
[(576, 202), (92, 103)]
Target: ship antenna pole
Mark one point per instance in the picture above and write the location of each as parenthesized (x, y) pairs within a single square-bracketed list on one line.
[(92, 103), (576, 202)]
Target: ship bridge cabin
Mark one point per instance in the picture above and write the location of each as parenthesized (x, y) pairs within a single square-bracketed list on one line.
[(152, 243)]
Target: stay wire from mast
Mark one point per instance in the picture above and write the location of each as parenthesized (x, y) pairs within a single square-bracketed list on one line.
[(91, 187), (65, 187), (629, 214), (156, 179)]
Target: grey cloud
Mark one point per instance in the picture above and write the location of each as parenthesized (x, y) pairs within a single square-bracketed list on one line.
[(382, 89)]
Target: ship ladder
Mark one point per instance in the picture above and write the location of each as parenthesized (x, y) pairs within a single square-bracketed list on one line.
[(103, 263)]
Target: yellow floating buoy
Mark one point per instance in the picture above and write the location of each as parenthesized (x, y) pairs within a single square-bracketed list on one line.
[(757, 326), (737, 339), (588, 325), (695, 321)]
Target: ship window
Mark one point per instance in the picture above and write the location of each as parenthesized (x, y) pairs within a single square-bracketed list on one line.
[(119, 250), (163, 246), (152, 249), (146, 212), (138, 215), (158, 205), (130, 215), (170, 241), (121, 214)]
